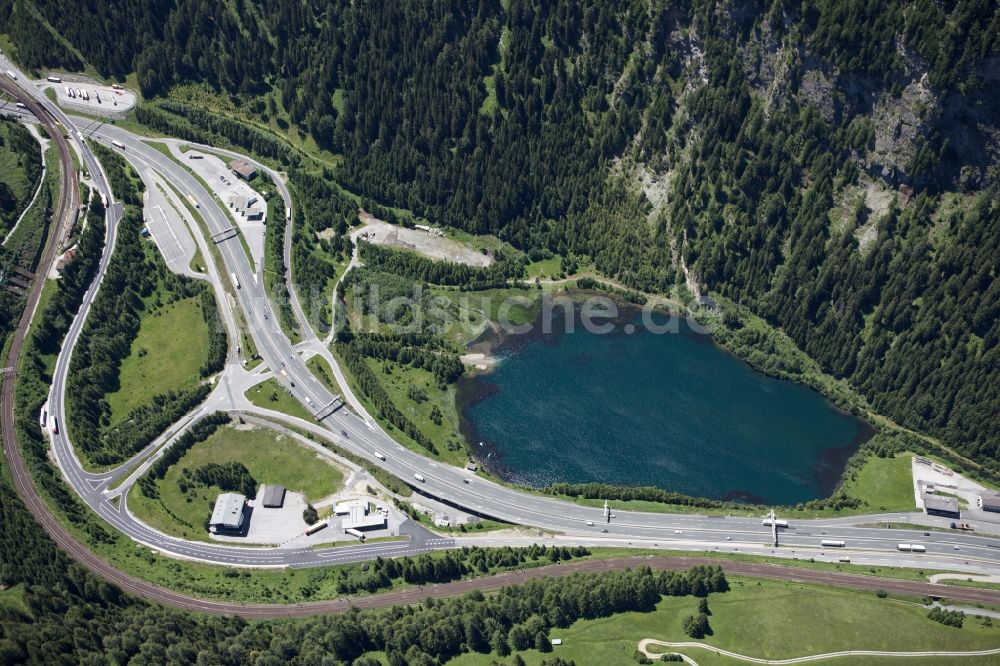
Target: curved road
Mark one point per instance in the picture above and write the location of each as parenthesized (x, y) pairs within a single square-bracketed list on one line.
[(449, 484)]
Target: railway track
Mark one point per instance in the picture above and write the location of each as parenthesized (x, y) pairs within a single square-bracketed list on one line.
[(67, 542)]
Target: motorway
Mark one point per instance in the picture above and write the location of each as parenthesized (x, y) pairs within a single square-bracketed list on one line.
[(574, 524)]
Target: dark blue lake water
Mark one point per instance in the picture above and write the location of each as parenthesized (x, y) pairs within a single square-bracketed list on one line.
[(669, 410)]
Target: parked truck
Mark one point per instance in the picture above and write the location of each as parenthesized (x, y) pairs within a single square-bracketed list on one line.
[(962, 526), (53, 79)]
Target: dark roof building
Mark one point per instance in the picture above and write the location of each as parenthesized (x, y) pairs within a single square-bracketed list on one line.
[(941, 506), (273, 496), (243, 169)]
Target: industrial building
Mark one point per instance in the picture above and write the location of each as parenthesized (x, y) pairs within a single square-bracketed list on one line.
[(941, 506), (990, 502), (360, 515), (228, 513), (243, 169), (272, 497)]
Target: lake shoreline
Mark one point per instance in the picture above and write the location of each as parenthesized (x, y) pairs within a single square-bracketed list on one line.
[(490, 349)]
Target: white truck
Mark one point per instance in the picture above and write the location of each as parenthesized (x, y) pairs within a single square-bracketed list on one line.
[(118, 144), (236, 280), (11, 74), (53, 79), (832, 543), (379, 455), (419, 477), (779, 522)]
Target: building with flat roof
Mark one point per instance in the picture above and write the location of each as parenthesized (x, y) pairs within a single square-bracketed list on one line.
[(989, 502), (243, 169), (272, 496), (360, 515), (228, 512), (254, 214), (936, 505)]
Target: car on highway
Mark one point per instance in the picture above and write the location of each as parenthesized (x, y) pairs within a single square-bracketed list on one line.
[(677, 532), (590, 523), (466, 481), (956, 548), (729, 538), (604, 531)]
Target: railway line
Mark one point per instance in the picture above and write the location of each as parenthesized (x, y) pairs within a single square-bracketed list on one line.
[(481, 496)]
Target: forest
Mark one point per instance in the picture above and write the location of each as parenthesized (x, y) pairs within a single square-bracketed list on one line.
[(831, 165), (65, 615), (136, 281)]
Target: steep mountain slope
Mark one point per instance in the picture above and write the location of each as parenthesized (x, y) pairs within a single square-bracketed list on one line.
[(831, 164)]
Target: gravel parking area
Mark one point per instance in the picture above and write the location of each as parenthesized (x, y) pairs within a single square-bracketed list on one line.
[(427, 242)]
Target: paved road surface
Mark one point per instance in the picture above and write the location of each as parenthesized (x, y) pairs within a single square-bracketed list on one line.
[(446, 483)]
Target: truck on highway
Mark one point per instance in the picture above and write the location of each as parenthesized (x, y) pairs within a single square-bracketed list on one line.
[(966, 527), (53, 79), (379, 455), (118, 144), (917, 548), (54, 426), (832, 543), (779, 522), (288, 214), (12, 75), (904, 547), (419, 477), (194, 202), (236, 283)]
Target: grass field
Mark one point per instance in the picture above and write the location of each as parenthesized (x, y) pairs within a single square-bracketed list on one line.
[(272, 395), (270, 457), (884, 484), (319, 367), (444, 435), (766, 619), (165, 356)]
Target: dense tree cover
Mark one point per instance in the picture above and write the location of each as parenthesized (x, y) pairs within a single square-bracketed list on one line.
[(136, 281), (198, 432), (509, 266), (20, 153), (69, 616), (415, 350), (946, 617), (367, 382), (629, 295), (707, 141), (232, 476)]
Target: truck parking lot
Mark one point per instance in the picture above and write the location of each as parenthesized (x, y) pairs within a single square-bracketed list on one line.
[(79, 94)]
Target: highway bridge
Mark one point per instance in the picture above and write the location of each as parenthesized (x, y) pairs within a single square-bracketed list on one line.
[(356, 432)]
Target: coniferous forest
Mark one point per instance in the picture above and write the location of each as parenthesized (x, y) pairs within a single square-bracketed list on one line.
[(831, 165)]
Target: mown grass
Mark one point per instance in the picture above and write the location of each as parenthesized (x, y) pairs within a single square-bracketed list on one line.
[(397, 383), (767, 619), (272, 395), (269, 456), (165, 356)]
